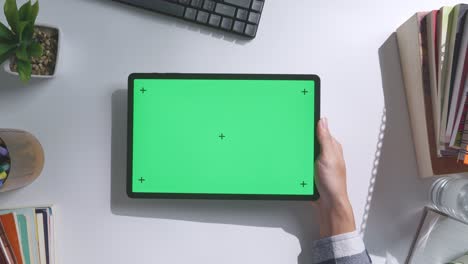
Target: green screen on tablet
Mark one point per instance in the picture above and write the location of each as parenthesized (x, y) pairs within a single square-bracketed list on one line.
[(222, 136)]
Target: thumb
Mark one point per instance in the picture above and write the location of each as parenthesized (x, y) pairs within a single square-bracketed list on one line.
[(324, 136)]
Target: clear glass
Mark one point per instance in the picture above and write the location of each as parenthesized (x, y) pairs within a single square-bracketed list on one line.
[(450, 195), (26, 155)]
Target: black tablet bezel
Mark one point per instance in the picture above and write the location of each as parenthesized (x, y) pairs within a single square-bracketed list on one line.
[(189, 76)]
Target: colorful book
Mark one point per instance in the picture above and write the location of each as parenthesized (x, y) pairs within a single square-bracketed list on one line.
[(409, 43), (443, 30), (456, 18), (413, 47), (433, 68), (41, 238), (7, 253), (26, 218), (30, 230), (9, 223), (45, 227), (459, 126), (23, 236), (457, 70), (462, 155), (460, 109)]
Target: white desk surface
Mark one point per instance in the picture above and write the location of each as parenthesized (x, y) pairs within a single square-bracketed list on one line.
[(79, 118)]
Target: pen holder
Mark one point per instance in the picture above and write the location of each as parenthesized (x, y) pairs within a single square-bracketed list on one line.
[(25, 156)]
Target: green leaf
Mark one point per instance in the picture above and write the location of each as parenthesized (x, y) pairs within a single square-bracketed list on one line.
[(8, 42), (6, 51), (24, 70), (6, 34), (21, 27), (11, 14), (5, 47), (25, 11), (35, 50), (22, 52), (26, 31), (34, 12)]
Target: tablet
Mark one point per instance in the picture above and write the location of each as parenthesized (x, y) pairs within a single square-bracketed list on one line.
[(222, 136)]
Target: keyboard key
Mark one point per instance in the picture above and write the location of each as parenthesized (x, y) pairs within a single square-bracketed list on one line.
[(225, 10), (226, 23), (190, 13), (166, 7), (251, 30), (240, 3), (239, 27), (257, 5), (197, 3), (209, 5), (214, 20), (242, 14), (184, 2), (254, 17), (202, 17)]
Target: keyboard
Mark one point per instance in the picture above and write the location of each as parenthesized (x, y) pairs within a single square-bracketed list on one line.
[(240, 17)]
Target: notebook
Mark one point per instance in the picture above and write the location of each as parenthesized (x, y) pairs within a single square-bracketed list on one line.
[(27, 235)]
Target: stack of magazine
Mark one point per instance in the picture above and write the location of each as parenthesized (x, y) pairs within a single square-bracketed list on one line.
[(27, 236), (434, 59)]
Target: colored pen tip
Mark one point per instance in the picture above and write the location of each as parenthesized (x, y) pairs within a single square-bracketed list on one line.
[(3, 175), (3, 151), (4, 167)]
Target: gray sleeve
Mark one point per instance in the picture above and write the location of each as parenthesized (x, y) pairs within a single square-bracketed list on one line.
[(342, 249)]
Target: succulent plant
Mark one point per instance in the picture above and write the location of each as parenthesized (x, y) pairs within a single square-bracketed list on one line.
[(18, 39)]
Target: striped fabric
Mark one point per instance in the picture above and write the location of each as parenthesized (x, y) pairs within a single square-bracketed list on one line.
[(342, 249)]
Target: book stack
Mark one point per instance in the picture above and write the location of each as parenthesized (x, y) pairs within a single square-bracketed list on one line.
[(434, 60), (27, 236)]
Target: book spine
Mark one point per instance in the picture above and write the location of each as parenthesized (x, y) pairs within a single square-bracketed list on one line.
[(409, 43), (464, 140), (455, 140), (432, 60), (6, 246), (449, 45), (457, 76)]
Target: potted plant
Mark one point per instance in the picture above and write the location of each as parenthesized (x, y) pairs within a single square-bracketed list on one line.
[(30, 50)]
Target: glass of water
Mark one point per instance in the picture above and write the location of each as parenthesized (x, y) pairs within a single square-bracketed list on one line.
[(450, 195)]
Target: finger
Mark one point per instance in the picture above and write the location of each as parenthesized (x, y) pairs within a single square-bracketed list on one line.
[(340, 148), (325, 138), (338, 145)]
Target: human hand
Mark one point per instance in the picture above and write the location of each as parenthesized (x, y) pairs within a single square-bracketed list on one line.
[(336, 213)]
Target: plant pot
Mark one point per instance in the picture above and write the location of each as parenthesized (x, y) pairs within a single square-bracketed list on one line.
[(43, 28)]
